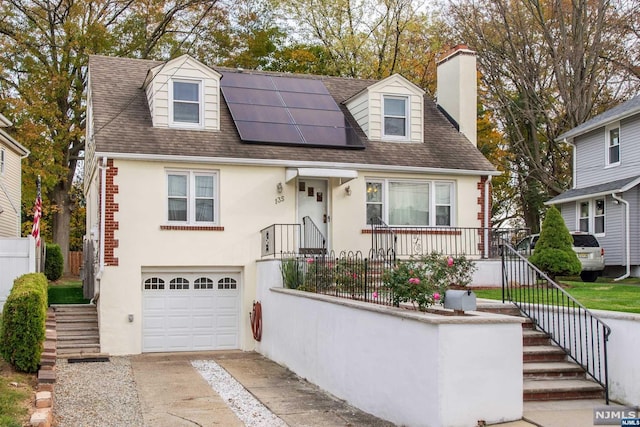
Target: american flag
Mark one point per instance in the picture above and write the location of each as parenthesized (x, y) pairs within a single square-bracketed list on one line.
[(37, 214)]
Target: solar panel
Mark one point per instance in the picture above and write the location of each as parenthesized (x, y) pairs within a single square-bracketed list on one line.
[(286, 111)]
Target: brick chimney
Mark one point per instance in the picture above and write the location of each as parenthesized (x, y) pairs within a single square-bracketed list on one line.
[(457, 90)]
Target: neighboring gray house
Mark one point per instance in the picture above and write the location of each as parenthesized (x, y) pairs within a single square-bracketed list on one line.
[(605, 198)]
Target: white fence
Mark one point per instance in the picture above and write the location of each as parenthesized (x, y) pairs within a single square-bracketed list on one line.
[(410, 368), (17, 257)]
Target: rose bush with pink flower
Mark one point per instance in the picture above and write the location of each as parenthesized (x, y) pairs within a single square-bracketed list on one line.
[(423, 281)]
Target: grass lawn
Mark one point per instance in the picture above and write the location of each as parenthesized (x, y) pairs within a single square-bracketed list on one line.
[(604, 294), (66, 291), (16, 395)]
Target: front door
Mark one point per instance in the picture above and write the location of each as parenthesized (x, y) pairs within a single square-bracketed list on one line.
[(312, 203)]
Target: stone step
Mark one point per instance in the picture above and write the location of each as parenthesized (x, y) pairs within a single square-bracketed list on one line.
[(83, 340), (78, 349), (87, 337), (532, 337), (545, 370), (565, 389), (58, 308), (76, 328), (78, 319), (498, 308), (542, 353)]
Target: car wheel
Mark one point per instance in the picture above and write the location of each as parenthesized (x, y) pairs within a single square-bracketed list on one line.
[(589, 276)]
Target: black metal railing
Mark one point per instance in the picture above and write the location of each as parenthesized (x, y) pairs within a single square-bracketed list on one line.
[(348, 275), (574, 328), (278, 239), (454, 241), (313, 241)]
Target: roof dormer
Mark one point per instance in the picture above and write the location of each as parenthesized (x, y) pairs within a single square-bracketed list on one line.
[(390, 110), (183, 93)]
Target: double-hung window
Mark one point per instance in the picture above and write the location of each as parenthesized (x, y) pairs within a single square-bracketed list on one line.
[(191, 197), (612, 154), (2, 160), (410, 203), (591, 216), (395, 116), (186, 103)]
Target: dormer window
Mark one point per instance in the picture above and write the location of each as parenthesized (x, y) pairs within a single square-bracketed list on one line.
[(613, 145), (186, 103), (395, 116)]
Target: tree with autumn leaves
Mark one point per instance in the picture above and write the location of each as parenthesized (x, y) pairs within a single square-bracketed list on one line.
[(544, 67)]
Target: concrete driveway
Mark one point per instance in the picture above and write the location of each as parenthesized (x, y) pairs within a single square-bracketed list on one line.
[(172, 392)]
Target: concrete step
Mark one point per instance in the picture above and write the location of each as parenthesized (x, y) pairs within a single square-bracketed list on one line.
[(565, 389), (542, 353), (65, 350), (532, 337), (547, 370), (72, 308), (498, 308), (85, 340), (75, 331)]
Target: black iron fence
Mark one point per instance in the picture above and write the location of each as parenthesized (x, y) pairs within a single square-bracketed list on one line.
[(581, 334), (348, 275), (279, 239)]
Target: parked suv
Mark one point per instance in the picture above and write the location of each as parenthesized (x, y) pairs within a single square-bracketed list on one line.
[(585, 245)]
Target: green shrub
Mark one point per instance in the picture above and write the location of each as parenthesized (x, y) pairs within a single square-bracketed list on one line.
[(23, 322), (554, 252), (292, 274), (54, 262)]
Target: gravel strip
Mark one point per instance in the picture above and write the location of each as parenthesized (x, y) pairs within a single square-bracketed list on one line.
[(246, 407), (96, 394)]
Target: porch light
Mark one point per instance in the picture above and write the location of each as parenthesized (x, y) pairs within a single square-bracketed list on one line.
[(279, 187)]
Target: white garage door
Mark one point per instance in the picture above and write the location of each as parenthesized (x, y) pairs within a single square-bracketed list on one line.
[(190, 311)]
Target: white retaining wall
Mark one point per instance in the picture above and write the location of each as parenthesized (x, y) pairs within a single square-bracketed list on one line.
[(623, 350), (414, 369), (17, 257)]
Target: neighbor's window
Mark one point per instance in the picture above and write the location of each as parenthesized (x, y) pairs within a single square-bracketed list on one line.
[(395, 116), (592, 216), (191, 197), (2, 161), (410, 203), (613, 145), (186, 102)]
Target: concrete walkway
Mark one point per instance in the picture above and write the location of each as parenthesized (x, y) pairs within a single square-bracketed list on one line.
[(172, 393)]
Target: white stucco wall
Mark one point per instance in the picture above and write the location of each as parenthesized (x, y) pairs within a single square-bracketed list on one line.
[(409, 368), (623, 349), (248, 201), (246, 197)]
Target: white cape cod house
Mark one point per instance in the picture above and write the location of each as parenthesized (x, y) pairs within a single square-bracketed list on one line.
[(605, 198), (187, 165)]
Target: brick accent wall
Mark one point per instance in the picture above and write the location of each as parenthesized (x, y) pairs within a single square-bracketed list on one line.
[(110, 225), (482, 213)]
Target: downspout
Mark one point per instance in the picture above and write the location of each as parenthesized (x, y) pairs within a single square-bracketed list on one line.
[(627, 237), (486, 216)]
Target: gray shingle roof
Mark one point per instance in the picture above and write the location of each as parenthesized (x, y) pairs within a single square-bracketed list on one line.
[(122, 124), (616, 113), (618, 186)]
